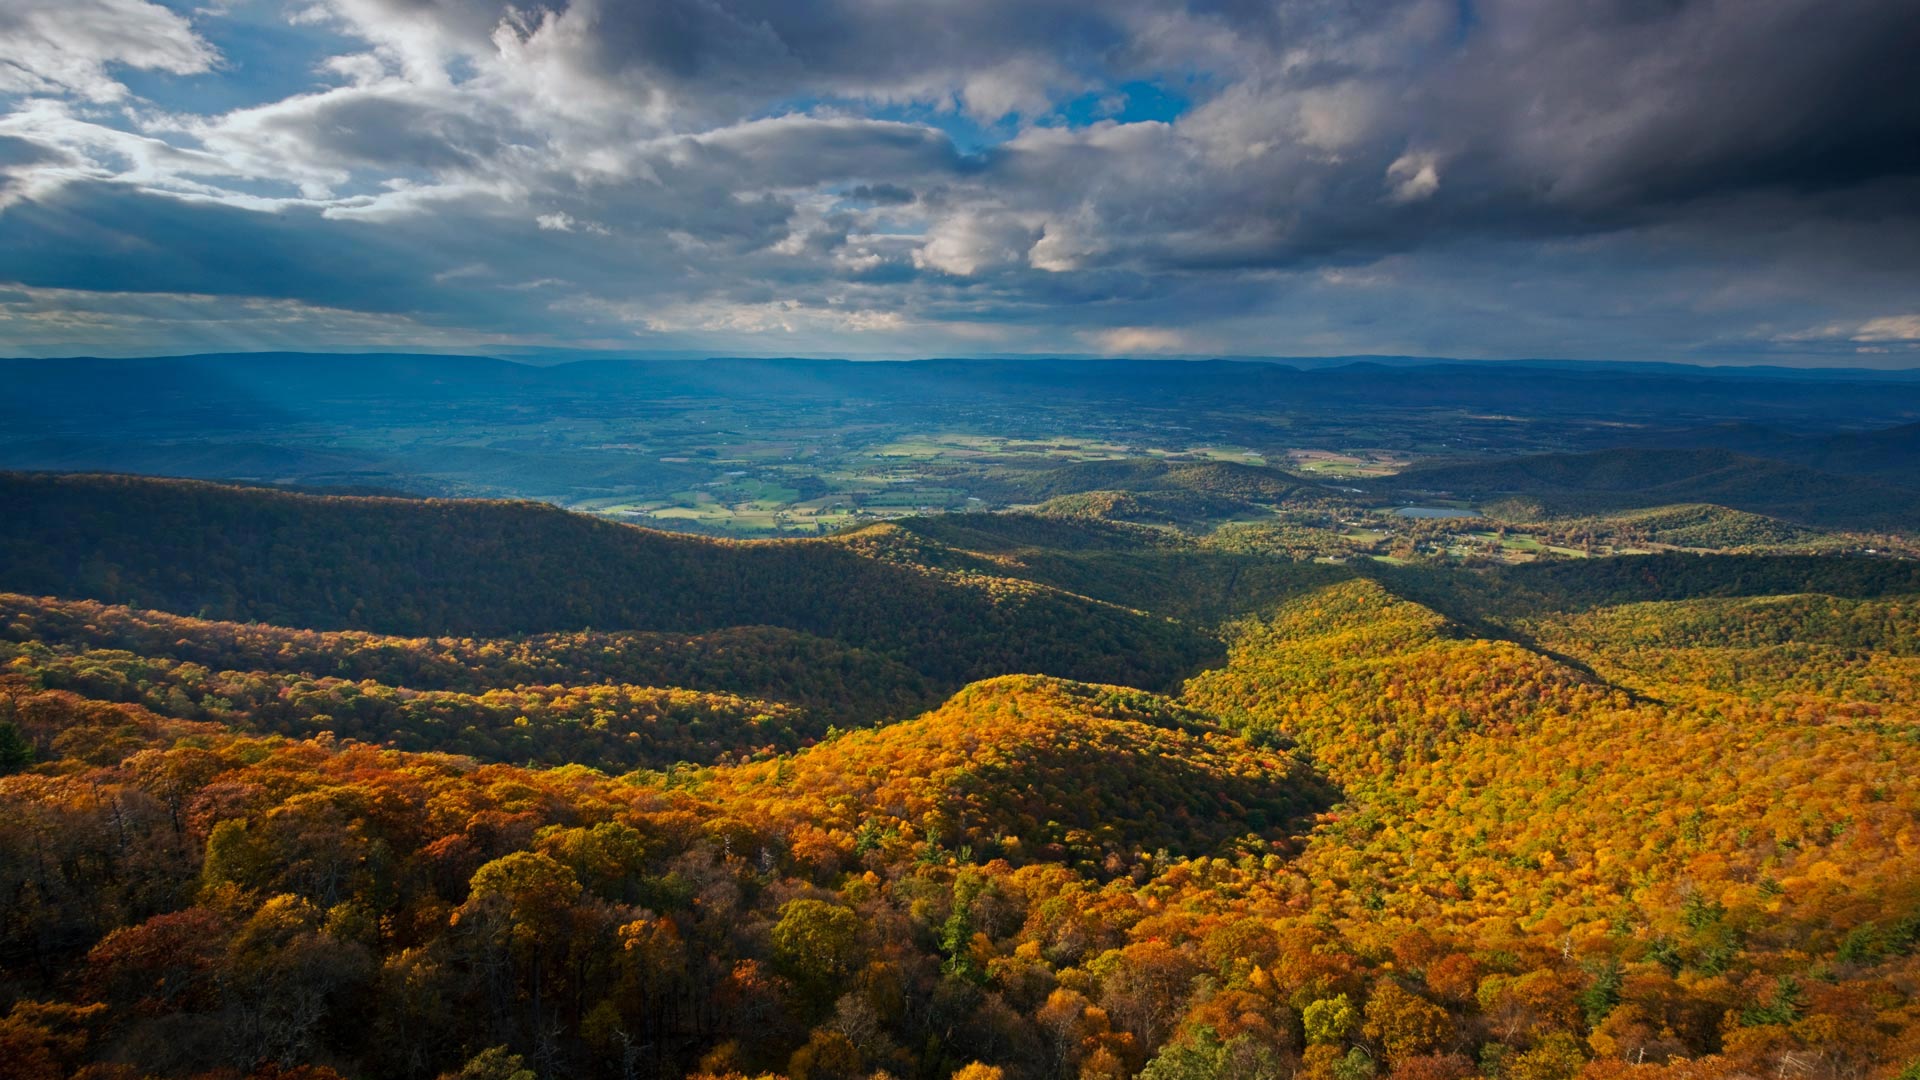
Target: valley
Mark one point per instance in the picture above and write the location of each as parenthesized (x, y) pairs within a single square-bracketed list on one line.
[(1035, 754), (761, 448), (986, 540)]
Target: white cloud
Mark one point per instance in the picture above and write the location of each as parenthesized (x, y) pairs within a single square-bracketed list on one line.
[(1889, 328), (1067, 244), (1883, 329), (972, 242), (723, 141), (67, 46), (1023, 85), (1338, 118), (1136, 340), (1413, 177), (561, 221)]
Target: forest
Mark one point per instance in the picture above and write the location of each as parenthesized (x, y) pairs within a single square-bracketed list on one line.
[(303, 786)]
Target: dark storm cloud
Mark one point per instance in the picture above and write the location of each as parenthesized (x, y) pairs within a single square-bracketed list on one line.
[(750, 51), (14, 151), (880, 194), (1636, 102), (101, 236), (1545, 120), (741, 171)]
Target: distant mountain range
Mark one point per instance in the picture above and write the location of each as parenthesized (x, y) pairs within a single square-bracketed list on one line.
[(431, 424), (538, 357), (252, 391)]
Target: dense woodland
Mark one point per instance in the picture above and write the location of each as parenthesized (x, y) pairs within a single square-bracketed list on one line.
[(1618, 479), (1023, 797), (438, 567)]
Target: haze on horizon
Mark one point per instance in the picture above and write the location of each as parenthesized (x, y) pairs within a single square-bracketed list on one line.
[(1707, 182)]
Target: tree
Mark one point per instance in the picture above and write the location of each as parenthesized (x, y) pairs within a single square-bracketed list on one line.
[(1205, 1056), (15, 752), (1147, 988), (495, 1063), (1405, 1025), (530, 890), (816, 944), (45, 1041), (1433, 1067), (828, 1055), (1329, 1020), (1556, 1057), (519, 909)]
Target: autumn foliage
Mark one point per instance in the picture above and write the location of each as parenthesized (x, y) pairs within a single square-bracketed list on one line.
[(1660, 840)]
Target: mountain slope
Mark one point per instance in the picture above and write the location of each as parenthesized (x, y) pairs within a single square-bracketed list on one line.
[(1571, 484), (1492, 785), (1891, 454), (1153, 491), (849, 685), (1385, 822), (1030, 769), (1373, 683), (415, 567), (1701, 526)]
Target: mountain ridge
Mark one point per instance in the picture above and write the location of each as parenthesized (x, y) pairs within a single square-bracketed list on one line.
[(412, 566)]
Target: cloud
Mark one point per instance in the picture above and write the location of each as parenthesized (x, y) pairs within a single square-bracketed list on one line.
[(882, 194), (561, 221), (1685, 178), (50, 321), (1903, 328), (969, 243), (1413, 177), (668, 63), (1135, 340), (66, 46)]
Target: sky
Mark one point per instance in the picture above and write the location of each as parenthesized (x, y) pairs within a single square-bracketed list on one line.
[(1708, 181)]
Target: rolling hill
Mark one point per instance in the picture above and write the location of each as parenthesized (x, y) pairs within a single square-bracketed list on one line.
[(1423, 822), (432, 567), (1891, 453), (1150, 491), (1701, 526), (1560, 485), (1033, 769), (850, 685)]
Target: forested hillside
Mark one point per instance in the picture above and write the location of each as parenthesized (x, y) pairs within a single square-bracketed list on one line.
[(412, 788), (758, 661), (438, 567), (1573, 484)]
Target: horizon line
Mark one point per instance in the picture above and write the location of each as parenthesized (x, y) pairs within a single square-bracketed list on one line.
[(557, 357)]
